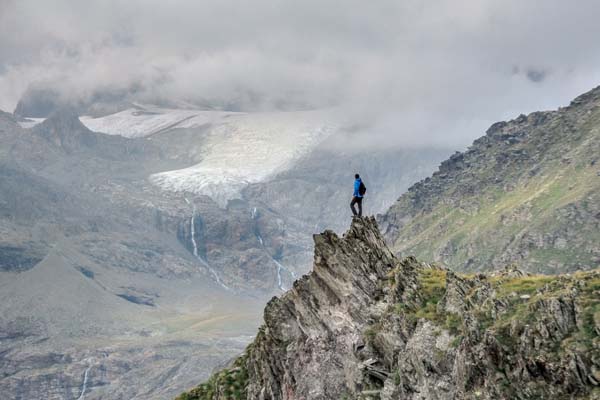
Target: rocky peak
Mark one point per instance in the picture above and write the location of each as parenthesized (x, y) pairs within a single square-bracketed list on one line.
[(4, 116), (42, 100), (523, 193), (38, 102), (64, 129), (67, 133), (8, 124), (590, 98), (365, 324), (331, 305)]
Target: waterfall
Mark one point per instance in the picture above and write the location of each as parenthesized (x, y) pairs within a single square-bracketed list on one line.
[(85, 382), (279, 281), (193, 232), (280, 267), (195, 249), (215, 275)]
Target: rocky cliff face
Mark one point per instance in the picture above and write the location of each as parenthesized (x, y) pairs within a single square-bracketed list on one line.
[(365, 324), (526, 192)]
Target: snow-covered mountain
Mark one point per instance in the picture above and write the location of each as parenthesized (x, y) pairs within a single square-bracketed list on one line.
[(248, 148), (147, 120), (237, 148), (113, 229)]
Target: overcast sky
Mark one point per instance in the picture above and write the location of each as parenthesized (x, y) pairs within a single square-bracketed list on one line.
[(413, 71)]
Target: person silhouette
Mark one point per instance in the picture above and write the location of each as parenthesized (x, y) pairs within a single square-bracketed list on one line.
[(357, 196)]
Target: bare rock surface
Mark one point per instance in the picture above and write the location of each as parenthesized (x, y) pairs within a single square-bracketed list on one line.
[(365, 324), (527, 192)]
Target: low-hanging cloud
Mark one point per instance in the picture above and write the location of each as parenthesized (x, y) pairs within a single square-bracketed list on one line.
[(408, 72)]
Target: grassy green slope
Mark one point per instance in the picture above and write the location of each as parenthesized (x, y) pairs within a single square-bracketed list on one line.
[(527, 192)]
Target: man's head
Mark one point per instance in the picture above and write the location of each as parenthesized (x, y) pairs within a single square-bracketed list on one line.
[(356, 176)]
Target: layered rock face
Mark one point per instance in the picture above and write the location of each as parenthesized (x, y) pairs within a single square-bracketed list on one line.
[(365, 324), (527, 192), (306, 349)]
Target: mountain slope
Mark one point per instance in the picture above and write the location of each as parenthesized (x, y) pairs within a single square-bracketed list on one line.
[(365, 324), (257, 183), (99, 294), (528, 192), (112, 275)]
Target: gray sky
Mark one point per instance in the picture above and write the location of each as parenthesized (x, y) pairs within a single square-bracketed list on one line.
[(411, 71)]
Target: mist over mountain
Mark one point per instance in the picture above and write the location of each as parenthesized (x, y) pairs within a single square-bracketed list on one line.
[(166, 168), (436, 73), (150, 230)]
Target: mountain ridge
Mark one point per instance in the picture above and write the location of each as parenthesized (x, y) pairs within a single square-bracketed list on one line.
[(365, 324), (527, 192)]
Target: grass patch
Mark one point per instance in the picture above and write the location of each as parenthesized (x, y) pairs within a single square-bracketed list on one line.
[(456, 341), (372, 331), (453, 323), (527, 285), (470, 240), (432, 288), (432, 284), (228, 384)]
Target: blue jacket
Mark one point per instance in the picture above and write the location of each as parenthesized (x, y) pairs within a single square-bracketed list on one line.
[(356, 186)]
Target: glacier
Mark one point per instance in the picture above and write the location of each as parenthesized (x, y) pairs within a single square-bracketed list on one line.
[(248, 148), (240, 147), (144, 120)]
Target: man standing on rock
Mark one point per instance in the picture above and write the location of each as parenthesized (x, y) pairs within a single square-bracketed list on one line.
[(357, 197)]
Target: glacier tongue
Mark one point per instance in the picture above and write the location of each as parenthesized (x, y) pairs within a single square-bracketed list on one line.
[(248, 148)]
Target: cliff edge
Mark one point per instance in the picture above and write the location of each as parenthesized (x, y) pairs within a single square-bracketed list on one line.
[(365, 324)]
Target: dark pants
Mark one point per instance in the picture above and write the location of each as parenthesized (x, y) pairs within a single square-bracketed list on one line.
[(356, 200)]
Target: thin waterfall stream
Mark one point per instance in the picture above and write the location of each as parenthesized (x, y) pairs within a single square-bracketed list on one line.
[(195, 248)]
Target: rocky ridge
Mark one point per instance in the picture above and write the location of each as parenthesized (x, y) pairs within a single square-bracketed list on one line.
[(365, 324), (527, 192)]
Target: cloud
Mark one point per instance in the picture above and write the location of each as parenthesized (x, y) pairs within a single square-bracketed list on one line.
[(407, 72), (536, 75)]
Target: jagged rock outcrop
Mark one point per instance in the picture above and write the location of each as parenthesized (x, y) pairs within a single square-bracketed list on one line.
[(527, 192), (306, 349), (365, 324)]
